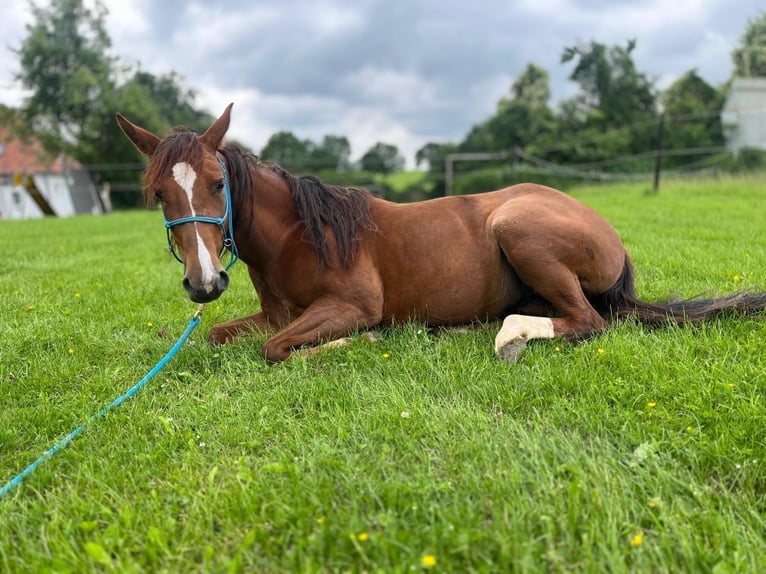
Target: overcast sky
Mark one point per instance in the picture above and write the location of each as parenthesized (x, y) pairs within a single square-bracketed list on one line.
[(403, 72)]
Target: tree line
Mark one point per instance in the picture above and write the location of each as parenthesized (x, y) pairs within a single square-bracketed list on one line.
[(75, 86)]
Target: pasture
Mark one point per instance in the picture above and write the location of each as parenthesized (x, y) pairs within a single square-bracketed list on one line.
[(638, 450)]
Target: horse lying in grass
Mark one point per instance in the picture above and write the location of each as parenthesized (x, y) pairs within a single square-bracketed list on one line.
[(328, 261)]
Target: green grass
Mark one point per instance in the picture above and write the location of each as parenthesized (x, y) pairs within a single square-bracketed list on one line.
[(402, 180), (637, 451)]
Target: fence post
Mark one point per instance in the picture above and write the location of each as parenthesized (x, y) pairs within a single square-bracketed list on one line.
[(658, 157)]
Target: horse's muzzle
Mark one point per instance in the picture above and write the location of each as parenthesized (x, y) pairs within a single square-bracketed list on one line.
[(205, 293)]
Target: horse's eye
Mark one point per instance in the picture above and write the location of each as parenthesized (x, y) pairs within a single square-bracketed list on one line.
[(219, 186)]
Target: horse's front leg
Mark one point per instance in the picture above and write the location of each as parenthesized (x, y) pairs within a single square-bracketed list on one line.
[(230, 331), (326, 319)]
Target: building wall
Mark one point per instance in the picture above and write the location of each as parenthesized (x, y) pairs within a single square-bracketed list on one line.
[(744, 114), (15, 202)]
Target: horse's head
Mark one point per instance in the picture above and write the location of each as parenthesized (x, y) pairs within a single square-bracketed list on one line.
[(187, 176)]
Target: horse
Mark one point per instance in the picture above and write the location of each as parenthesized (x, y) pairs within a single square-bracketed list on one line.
[(329, 261)]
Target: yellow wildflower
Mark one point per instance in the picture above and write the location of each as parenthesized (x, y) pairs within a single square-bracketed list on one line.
[(320, 520), (737, 278), (386, 355), (70, 351), (651, 404), (637, 539), (149, 324), (362, 537), (77, 294), (428, 561), (600, 351)]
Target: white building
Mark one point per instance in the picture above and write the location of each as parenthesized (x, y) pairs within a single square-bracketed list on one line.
[(744, 114)]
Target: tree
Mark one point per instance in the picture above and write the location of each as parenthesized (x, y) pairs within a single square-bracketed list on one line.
[(613, 91), (66, 65), (293, 153), (65, 62), (750, 57), (172, 100), (382, 158), (333, 153), (435, 155), (74, 93), (616, 106), (287, 150), (692, 108), (520, 119), (532, 87)]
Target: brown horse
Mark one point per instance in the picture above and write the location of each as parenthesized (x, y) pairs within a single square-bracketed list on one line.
[(328, 261)]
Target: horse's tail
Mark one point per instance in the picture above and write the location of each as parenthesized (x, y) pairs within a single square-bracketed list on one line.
[(620, 302)]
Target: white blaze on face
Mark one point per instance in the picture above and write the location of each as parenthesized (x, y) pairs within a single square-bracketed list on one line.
[(185, 176)]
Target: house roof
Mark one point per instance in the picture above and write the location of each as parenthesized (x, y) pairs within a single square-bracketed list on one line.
[(29, 157)]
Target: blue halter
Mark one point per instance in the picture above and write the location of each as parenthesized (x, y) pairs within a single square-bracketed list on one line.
[(228, 234)]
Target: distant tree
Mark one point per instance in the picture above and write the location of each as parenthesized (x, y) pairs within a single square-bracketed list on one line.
[(750, 57), (11, 119), (692, 108), (74, 88), (286, 149), (520, 120), (333, 153), (172, 101), (435, 155), (155, 102), (532, 87), (480, 138), (615, 112), (612, 90), (65, 63), (382, 158), (526, 117)]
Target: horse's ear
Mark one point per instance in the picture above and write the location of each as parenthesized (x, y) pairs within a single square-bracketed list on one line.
[(213, 137), (144, 140)]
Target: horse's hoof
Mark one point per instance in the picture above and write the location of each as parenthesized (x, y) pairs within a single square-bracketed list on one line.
[(512, 350), (218, 337)]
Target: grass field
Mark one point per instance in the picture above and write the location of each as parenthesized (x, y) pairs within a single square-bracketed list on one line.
[(637, 451)]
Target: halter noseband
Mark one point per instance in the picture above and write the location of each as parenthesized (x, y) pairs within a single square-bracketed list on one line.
[(228, 234)]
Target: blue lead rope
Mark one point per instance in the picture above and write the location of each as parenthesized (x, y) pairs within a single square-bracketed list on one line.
[(195, 320)]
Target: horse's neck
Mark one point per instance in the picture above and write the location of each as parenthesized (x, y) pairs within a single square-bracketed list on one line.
[(267, 211)]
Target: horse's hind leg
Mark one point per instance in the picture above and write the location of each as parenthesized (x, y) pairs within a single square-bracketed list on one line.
[(578, 318), (558, 262)]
